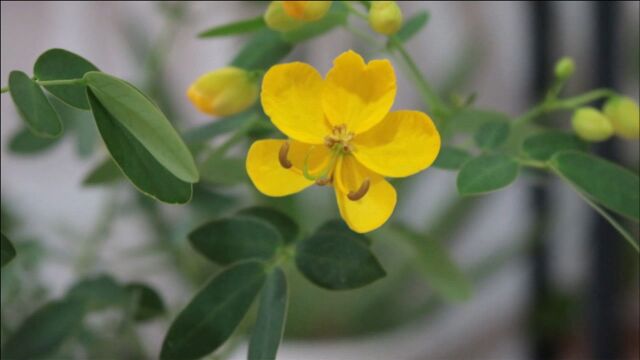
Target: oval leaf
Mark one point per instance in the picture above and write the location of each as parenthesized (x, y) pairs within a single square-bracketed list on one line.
[(98, 292), (142, 169), (288, 228), (609, 184), (272, 313), (412, 26), (214, 313), (486, 173), (8, 251), (60, 64), (106, 172), (229, 240), (544, 145), (451, 158), (33, 106), (337, 259), (264, 50), (25, 143), (148, 302), (491, 135), (145, 122), (234, 28)]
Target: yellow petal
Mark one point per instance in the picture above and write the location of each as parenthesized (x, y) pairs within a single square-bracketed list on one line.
[(404, 143), (291, 98), (356, 94), (372, 210)]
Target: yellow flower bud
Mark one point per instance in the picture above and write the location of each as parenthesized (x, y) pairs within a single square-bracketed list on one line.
[(306, 10), (277, 18), (591, 125), (565, 67), (385, 17), (624, 116), (225, 91)]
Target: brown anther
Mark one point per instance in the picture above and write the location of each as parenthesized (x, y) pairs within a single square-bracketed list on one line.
[(282, 155), (361, 192), (324, 181)]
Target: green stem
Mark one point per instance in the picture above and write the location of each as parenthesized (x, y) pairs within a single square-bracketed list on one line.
[(64, 82), (356, 12), (4, 90)]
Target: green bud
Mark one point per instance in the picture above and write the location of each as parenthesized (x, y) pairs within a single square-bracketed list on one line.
[(624, 116), (565, 67), (277, 18), (385, 17), (591, 125)]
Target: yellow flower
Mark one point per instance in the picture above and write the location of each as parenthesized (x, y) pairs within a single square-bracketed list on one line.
[(385, 17), (277, 18), (591, 125), (307, 10), (624, 115), (225, 91), (342, 134)]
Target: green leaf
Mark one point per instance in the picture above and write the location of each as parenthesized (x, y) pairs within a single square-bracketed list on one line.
[(264, 50), (609, 184), (214, 313), (98, 292), (25, 143), (288, 228), (223, 170), (486, 173), (212, 202), (140, 167), (226, 241), (451, 158), (336, 16), (44, 331), (335, 258), (145, 122), (272, 312), (33, 106), (544, 145), (470, 120), (492, 134), (234, 28), (107, 172), (60, 64), (412, 26), (212, 129), (8, 251), (149, 304)]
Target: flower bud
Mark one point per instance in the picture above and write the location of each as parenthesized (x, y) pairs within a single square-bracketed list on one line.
[(565, 67), (277, 18), (591, 125), (624, 116), (306, 10), (225, 91), (385, 17)]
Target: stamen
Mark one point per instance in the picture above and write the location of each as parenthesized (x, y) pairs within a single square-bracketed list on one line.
[(282, 155), (324, 181), (361, 192)]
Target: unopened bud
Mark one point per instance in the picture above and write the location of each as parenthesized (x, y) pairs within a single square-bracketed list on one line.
[(385, 17), (624, 116), (307, 10), (565, 67), (277, 18), (591, 125), (225, 91)]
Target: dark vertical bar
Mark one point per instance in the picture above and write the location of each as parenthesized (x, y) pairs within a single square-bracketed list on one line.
[(604, 329)]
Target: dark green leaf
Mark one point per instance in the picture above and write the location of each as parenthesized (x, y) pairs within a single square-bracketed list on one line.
[(8, 251), (288, 228), (412, 26), (336, 16), (486, 173), (223, 170), (492, 134), (544, 145), (33, 106), (107, 172), (337, 259), (609, 184), (272, 312), (60, 64), (218, 127), (145, 122), (214, 313), (451, 158), (229, 240), (210, 201), (44, 331), (25, 143), (470, 120), (98, 292), (144, 171), (234, 28), (264, 50), (149, 304)]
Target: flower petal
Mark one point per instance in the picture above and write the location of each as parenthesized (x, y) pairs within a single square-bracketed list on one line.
[(270, 177), (374, 208), (404, 143), (356, 94), (291, 98)]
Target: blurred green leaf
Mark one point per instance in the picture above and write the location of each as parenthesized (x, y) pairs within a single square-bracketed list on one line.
[(214, 313), (264, 50), (544, 145), (210, 201), (217, 127), (288, 228), (33, 106), (107, 172), (142, 169), (451, 158), (25, 143), (60, 64), (609, 184), (412, 26), (470, 120), (217, 169), (336, 16), (491, 134), (486, 173), (272, 312), (226, 241), (8, 251), (149, 304), (98, 292), (336, 258), (234, 28), (145, 122), (44, 331)]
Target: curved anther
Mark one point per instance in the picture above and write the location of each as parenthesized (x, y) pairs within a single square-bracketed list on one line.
[(361, 192), (324, 181), (282, 155)]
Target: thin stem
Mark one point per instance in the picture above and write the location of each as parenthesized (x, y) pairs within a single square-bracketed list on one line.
[(4, 90), (356, 12), (64, 82), (532, 163)]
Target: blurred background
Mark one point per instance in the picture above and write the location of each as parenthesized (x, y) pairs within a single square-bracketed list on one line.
[(550, 280)]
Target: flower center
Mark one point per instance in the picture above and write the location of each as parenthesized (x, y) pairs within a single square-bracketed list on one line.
[(339, 139)]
